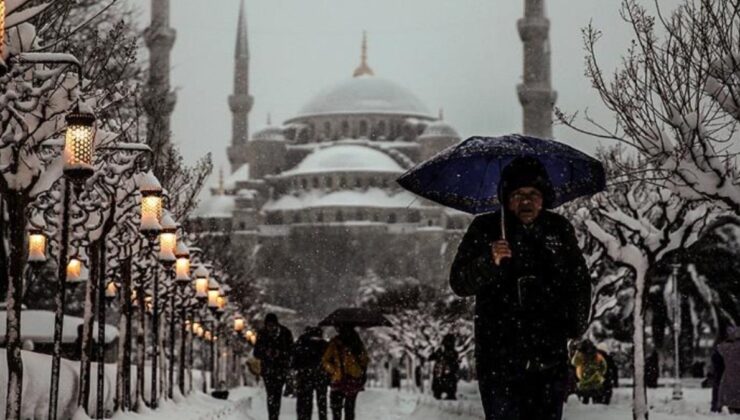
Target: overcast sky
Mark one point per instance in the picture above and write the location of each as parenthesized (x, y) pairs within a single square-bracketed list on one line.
[(461, 55)]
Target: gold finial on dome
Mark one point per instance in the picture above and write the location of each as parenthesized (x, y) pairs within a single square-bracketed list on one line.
[(363, 68)]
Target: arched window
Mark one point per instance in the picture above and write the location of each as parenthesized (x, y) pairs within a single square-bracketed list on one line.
[(392, 218), (327, 129), (342, 182), (339, 217), (304, 183), (358, 182), (363, 128), (380, 130), (316, 182), (345, 128)]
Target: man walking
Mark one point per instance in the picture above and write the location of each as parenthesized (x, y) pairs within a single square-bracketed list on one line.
[(273, 349), (532, 293), (310, 376)]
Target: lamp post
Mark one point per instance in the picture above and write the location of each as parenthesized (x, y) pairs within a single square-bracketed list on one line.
[(677, 389), (167, 249), (214, 292), (77, 158), (36, 247), (182, 278)]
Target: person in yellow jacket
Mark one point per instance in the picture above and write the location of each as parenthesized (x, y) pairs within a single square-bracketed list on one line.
[(591, 370), (345, 360)]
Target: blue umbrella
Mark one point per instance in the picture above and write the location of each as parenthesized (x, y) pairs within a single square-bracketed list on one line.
[(466, 176)]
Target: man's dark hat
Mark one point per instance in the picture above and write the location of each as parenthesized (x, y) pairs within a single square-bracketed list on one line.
[(525, 172)]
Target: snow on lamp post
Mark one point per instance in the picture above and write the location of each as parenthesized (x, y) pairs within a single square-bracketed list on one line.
[(167, 239), (182, 278), (182, 265), (151, 205), (36, 247), (111, 291)]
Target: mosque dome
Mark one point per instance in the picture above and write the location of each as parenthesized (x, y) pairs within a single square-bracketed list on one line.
[(346, 157), (439, 128), (269, 133)]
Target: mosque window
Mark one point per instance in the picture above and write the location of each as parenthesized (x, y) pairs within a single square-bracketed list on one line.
[(375, 217), (345, 128), (414, 217), (296, 218), (392, 218), (358, 182), (327, 128), (339, 217), (304, 183), (319, 217), (342, 182), (359, 215), (242, 225), (363, 128), (380, 130), (429, 223), (316, 182)]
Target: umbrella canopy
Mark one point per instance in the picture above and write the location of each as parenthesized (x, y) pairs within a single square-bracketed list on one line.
[(355, 317), (466, 177)]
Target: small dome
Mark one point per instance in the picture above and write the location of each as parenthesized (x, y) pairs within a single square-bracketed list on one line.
[(439, 128), (215, 206), (270, 133), (345, 157), (365, 94)]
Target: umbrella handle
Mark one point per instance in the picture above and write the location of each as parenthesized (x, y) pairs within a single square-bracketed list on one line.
[(503, 224)]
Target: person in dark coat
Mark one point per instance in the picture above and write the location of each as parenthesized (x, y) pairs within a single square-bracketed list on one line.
[(446, 369), (310, 376), (718, 369), (729, 387), (532, 293), (612, 379), (273, 348)]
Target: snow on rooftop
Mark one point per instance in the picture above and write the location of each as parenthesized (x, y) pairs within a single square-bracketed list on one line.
[(439, 128), (38, 326), (346, 157), (369, 94), (215, 206), (373, 197)]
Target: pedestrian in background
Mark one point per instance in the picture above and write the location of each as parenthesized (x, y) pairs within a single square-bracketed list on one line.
[(273, 348)]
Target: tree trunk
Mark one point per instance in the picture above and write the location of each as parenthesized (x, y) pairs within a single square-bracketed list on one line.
[(140, 346), (171, 342), (639, 392), (16, 205), (183, 343), (99, 402), (128, 314), (88, 320), (155, 340)]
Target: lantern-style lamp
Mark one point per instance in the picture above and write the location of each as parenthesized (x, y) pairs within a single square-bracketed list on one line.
[(36, 247), (76, 271), (182, 266), (207, 335), (78, 145), (250, 336), (222, 301), (149, 304), (201, 283), (239, 323), (200, 331), (194, 327), (151, 205), (111, 290), (167, 238), (213, 297)]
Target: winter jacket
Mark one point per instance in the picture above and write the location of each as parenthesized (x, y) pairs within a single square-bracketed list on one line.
[(307, 354), (341, 364), (729, 387), (446, 364), (527, 307), (274, 352), (590, 371)]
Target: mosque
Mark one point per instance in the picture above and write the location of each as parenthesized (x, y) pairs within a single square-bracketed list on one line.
[(312, 203)]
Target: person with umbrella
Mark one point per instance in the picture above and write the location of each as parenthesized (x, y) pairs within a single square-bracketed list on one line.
[(532, 293), (345, 359), (520, 260), (273, 348)]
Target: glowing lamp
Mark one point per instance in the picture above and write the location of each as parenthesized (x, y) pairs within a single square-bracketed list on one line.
[(78, 145), (36, 246), (151, 205), (194, 327), (201, 283), (213, 297), (182, 266), (250, 336), (111, 290), (167, 238), (200, 331), (239, 324), (76, 272), (207, 335), (149, 304)]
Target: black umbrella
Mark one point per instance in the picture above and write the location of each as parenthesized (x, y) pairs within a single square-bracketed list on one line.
[(355, 317)]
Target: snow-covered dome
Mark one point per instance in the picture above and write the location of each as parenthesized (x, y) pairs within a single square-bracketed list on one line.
[(270, 132), (365, 94), (346, 157), (215, 206), (371, 198), (440, 128)]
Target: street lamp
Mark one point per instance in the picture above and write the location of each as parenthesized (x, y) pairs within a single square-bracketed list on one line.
[(36, 247), (167, 239), (239, 324), (151, 205), (78, 145), (76, 271), (182, 265), (201, 283), (111, 291)]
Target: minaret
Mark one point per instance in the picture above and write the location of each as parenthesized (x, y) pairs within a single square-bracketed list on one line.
[(159, 100), (240, 101), (363, 69), (535, 93)]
